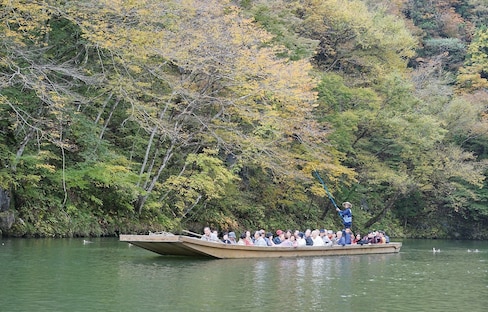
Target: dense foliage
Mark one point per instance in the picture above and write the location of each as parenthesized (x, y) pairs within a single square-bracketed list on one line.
[(130, 116)]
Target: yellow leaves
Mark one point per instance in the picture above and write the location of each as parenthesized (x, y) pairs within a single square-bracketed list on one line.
[(465, 115), (318, 190), (115, 169), (470, 80), (333, 174), (211, 38), (458, 163), (47, 167), (185, 66), (366, 43), (470, 76), (377, 173), (25, 20), (291, 81)]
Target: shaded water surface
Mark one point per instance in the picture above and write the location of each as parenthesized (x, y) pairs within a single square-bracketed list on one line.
[(106, 275)]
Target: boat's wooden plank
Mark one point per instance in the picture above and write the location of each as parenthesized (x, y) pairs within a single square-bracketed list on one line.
[(148, 238), (233, 251), (170, 249)]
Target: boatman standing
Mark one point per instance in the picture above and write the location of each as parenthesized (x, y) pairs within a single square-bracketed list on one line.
[(346, 214)]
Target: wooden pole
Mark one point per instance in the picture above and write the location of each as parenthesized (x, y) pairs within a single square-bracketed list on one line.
[(192, 233)]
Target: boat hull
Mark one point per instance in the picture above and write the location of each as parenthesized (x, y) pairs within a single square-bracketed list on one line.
[(177, 245)]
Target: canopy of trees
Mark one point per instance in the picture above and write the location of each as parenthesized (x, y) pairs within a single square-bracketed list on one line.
[(130, 116)]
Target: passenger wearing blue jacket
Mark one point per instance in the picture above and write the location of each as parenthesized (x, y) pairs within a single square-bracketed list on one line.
[(346, 238)]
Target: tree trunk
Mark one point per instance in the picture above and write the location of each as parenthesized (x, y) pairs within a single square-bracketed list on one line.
[(142, 199), (20, 150), (380, 214)]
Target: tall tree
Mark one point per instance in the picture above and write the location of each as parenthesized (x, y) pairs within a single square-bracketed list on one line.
[(474, 75), (177, 79), (366, 44)]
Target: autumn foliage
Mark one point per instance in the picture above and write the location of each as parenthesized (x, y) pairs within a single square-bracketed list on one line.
[(129, 116)]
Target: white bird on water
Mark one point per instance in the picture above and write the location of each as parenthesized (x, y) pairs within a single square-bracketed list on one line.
[(86, 242), (435, 250)]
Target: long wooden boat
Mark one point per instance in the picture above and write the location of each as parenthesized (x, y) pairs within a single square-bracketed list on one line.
[(181, 245)]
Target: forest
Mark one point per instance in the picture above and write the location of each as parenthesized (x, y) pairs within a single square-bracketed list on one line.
[(123, 116)]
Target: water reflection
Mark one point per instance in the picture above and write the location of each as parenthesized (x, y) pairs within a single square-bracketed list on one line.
[(259, 283)]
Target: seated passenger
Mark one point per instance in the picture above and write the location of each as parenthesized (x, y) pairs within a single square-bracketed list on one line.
[(346, 237), (248, 240), (382, 238), (269, 239), (325, 238), (296, 232), (288, 234), (208, 235), (369, 239), (300, 240), (277, 239), (332, 237), (377, 237), (317, 240), (242, 240), (339, 239), (232, 238), (356, 239), (259, 239), (285, 243), (293, 241), (387, 238), (308, 238), (282, 237), (225, 239)]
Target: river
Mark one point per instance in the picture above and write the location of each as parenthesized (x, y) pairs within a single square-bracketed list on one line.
[(107, 275)]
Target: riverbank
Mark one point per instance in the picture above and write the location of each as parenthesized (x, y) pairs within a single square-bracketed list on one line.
[(61, 225)]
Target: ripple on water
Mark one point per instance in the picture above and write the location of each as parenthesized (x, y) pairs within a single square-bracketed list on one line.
[(64, 275)]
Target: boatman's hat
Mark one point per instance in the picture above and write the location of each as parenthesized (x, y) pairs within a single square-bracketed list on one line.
[(347, 205)]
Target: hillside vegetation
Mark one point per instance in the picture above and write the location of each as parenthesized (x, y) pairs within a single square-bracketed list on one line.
[(136, 116)]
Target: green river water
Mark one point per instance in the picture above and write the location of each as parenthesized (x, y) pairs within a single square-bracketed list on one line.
[(107, 275)]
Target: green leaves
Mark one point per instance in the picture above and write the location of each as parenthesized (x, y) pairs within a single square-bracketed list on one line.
[(205, 179)]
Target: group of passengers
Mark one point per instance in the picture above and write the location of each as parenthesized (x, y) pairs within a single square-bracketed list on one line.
[(297, 238)]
